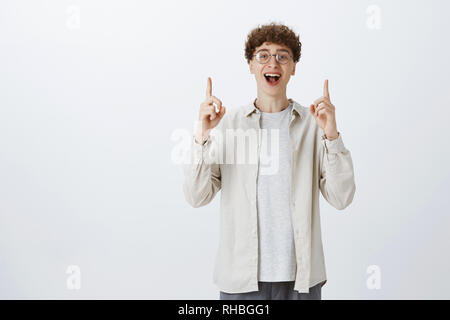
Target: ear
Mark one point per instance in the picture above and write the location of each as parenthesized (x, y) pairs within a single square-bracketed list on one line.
[(251, 67), (293, 70)]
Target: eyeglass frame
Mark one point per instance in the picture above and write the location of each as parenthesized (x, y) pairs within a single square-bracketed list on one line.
[(273, 55)]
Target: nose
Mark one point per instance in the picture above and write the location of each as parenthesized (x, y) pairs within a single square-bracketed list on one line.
[(273, 61)]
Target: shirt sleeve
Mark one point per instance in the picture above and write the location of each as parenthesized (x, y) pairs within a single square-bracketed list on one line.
[(202, 178), (337, 181)]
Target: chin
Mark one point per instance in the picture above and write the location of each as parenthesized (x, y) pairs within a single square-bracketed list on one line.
[(274, 90)]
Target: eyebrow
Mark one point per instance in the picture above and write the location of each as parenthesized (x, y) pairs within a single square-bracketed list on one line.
[(269, 51)]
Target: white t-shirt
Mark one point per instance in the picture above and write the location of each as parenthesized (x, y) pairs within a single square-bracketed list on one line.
[(276, 239)]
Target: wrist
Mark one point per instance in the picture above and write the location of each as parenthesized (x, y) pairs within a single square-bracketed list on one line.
[(201, 135), (201, 138), (331, 137)]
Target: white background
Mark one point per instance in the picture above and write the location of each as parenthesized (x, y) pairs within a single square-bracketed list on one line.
[(91, 92)]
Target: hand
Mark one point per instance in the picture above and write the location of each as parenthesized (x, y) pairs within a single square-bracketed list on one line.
[(324, 113), (208, 116)]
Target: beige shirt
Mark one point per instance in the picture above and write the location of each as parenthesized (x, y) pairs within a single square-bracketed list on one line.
[(228, 161)]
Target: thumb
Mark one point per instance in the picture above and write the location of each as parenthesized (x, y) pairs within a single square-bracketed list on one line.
[(311, 109), (222, 111)]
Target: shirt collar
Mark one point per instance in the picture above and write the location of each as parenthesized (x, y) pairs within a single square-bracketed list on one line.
[(250, 108)]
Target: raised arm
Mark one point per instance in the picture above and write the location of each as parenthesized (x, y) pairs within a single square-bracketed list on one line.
[(202, 179), (337, 181)]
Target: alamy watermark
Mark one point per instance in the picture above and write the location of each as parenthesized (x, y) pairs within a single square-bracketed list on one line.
[(73, 21), (230, 146), (73, 281), (374, 279), (373, 21)]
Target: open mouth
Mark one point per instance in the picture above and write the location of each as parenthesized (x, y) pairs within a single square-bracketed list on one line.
[(272, 78)]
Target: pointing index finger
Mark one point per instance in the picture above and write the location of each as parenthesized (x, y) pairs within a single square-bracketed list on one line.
[(325, 89), (209, 88)]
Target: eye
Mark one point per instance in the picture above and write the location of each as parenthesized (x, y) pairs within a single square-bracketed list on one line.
[(283, 57), (263, 55)]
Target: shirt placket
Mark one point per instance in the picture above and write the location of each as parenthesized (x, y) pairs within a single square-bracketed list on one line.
[(292, 195), (298, 244), (255, 195)]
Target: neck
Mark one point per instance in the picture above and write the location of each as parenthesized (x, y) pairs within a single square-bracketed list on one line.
[(267, 103)]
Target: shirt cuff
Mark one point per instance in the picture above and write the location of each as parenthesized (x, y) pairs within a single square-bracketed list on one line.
[(335, 146), (199, 149)]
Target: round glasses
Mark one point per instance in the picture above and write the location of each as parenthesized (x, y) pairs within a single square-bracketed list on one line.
[(264, 56)]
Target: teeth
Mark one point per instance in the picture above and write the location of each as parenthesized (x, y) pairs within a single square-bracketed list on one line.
[(272, 75)]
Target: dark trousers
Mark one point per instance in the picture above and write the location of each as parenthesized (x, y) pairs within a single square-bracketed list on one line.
[(275, 291)]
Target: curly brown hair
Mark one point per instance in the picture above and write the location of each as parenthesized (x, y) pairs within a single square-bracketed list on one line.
[(273, 33)]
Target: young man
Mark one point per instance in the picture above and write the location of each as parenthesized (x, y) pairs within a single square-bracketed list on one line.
[(270, 238)]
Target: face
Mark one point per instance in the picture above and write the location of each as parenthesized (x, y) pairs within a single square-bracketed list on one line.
[(261, 71)]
